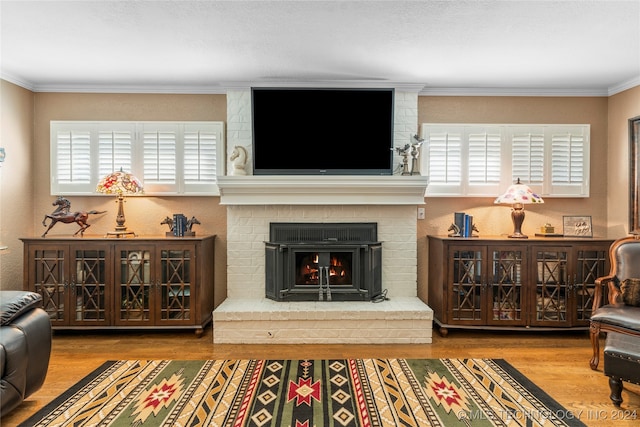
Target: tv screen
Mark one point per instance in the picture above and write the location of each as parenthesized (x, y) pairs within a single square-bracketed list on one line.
[(300, 131)]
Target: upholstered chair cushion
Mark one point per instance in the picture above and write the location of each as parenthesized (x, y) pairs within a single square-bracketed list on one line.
[(630, 289)]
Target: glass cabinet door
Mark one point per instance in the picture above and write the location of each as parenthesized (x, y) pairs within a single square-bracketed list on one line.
[(465, 286), (591, 263), (552, 289), (48, 276), (177, 299), (90, 293), (134, 285), (506, 297)]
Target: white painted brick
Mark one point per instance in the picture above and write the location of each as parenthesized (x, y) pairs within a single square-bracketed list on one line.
[(248, 228)]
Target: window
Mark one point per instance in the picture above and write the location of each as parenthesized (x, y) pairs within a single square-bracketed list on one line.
[(170, 158), (481, 160)]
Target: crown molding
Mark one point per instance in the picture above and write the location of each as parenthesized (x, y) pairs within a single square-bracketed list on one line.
[(356, 84), (624, 86), (419, 88), (185, 90), (496, 91), (17, 81)]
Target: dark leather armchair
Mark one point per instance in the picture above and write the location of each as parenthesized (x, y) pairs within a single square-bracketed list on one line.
[(25, 347), (620, 317)]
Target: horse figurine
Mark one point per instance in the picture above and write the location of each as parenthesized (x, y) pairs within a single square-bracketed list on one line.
[(169, 222), (62, 214), (191, 222), (239, 159), (455, 230)]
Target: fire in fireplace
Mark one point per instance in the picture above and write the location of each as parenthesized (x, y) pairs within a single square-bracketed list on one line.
[(309, 261), (336, 267)]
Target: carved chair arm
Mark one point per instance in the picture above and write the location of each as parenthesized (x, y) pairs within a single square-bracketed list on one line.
[(600, 283), (614, 293)]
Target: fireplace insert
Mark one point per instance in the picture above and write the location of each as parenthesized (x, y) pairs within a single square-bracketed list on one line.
[(323, 262)]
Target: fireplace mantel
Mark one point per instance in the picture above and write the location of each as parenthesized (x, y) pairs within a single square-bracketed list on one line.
[(322, 190)]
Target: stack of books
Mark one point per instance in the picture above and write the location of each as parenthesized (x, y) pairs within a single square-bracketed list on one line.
[(179, 225), (464, 224)]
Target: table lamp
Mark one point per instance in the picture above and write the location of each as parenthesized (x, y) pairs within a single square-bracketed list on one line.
[(518, 195), (120, 183)]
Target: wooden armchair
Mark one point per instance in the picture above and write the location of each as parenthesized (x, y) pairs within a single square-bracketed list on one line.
[(620, 318), (616, 316)]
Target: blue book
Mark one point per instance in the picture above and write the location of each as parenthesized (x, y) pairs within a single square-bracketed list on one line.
[(468, 226), (179, 225)]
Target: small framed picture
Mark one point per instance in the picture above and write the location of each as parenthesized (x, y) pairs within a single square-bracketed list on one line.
[(577, 226)]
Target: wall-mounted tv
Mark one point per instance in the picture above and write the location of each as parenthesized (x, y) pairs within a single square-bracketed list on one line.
[(308, 131)]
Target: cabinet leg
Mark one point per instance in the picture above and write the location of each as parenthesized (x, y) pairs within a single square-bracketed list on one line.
[(443, 332), (199, 332)]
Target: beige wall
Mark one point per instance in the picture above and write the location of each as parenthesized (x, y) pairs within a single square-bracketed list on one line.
[(495, 219), (143, 214), (16, 180), (622, 107), (29, 162)]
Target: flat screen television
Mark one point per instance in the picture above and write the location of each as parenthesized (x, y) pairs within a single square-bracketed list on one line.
[(307, 131)]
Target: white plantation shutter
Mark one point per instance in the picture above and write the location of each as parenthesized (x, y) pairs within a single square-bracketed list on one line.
[(71, 162), (552, 159), (199, 157), (170, 158), (527, 156), (569, 160), (115, 150), (74, 157), (159, 158), (442, 152), (462, 159), (484, 161)]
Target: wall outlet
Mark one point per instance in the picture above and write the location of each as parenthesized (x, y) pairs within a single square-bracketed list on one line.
[(420, 213)]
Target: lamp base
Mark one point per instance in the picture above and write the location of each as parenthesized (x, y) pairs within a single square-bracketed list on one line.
[(121, 232), (517, 216), (518, 236), (121, 229)]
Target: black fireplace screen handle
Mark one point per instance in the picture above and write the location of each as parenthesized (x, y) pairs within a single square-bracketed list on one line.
[(321, 282), (326, 276)]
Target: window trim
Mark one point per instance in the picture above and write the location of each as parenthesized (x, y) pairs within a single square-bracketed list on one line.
[(179, 188), (547, 188)]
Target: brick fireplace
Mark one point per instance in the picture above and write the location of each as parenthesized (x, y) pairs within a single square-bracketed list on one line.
[(255, 202)]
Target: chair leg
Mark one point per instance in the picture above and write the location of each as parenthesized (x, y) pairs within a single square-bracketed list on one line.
[(594, 330), (615, 384)]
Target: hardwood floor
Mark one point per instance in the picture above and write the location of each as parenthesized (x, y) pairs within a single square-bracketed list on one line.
[(556, 362)]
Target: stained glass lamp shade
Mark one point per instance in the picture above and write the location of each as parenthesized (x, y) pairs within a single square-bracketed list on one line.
[(121, 184), (518, 195)]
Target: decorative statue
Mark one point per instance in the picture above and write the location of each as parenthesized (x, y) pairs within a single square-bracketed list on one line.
[(455, 231), (239, 159), (415, 169), (404, 152), (169, 222), (191, 222), (62, 214)]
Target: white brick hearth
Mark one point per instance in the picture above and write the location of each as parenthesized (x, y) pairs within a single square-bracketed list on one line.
[(401, 320), (246, 316)]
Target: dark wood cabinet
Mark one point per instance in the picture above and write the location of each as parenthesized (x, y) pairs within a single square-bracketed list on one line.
[(501, 283), (123, 283)]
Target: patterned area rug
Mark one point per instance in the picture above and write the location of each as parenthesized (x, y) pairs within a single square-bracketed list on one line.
[(305, 393)]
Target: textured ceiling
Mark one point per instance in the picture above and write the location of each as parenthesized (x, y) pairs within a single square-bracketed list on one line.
[(545, 46)]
